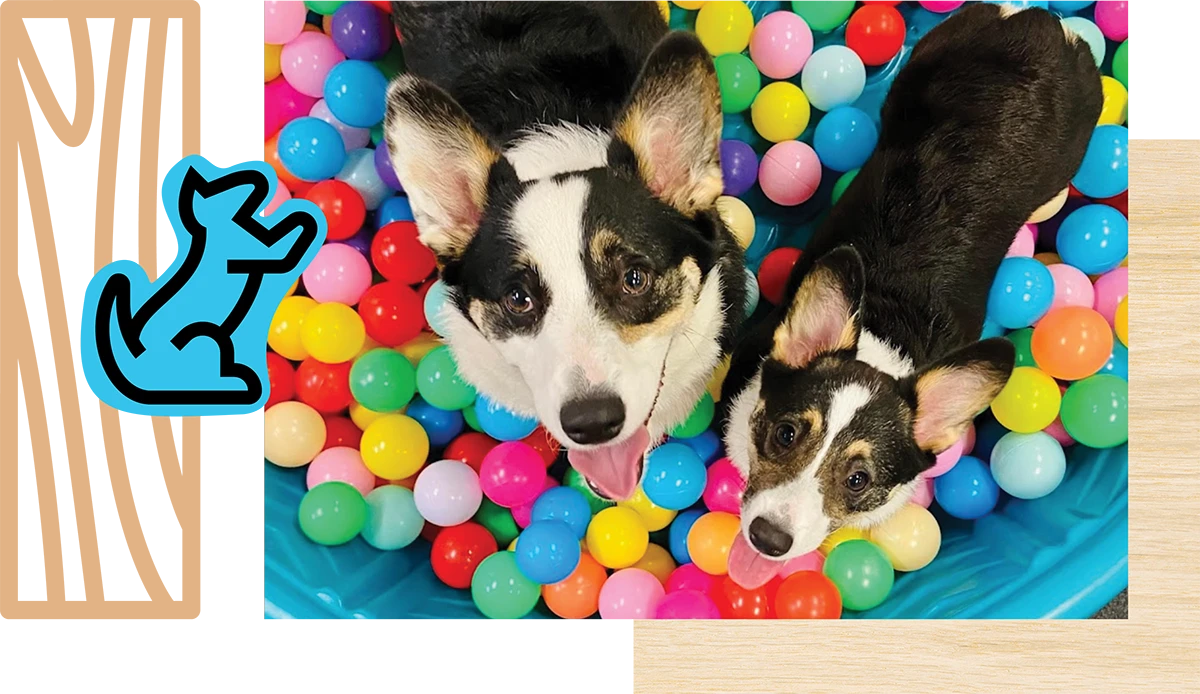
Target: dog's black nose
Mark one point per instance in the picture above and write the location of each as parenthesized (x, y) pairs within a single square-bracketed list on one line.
[(594, 419), (769, 538)]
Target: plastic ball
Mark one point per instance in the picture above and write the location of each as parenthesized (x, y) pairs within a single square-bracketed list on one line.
[(1029, 402), (359, 173), (1110, 288), (861, 572), (459, 551), (354, 91), (834, 76), (352, 138), (283, 21), (394, 446), (332, 333), (383, 380), (1072, 288), (707, 444), (1094, 238), (340, 431), (1116, 102), (340, 465), (332, 513), (845, 138), (774, 272), (1095, 411), (1050, 207), (739, 167), (547, 551), (837, 537), (307, 60), (392, 520), (686, 604), (781, 44), (807, 595), (739, 82), (1023, 244), (875, 33), (361, 31), (1104, 171), (1021, 293), (399, 255), (617, 537), (1070, 6), (653, 516), (576, 481), (1021, 340), (545, 445), (501, 423), (282, 380), (1028, 466), (723, 488), (690, 577), (710, 539), (281, 105), (724, 27), (967, 491), (945, 460), (447, 492), (750, 305), (630, 594), (338, 273), (396, 208), (499, 589), (578, 595), (657, 560), (523, 513), (311, 149), (923, 494), (941, 6), (512, 474), (780, 112), (294, 434), (442, 426), (840, 186), (324, 7), (677, 535), (343, 209), (439, 383), (910, 539), (790, 173), (738, 218), (498, 521), (1121, 321), (563, 504), (698, 420), (391, 313), (736, 602), (1072, 343), (1090, 33), (1118, 362), (824, 15), (1120, 64)]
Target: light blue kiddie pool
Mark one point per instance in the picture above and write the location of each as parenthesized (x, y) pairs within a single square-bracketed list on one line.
[(1064, 555)]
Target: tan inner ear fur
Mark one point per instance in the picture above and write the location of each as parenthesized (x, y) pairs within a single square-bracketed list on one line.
[(798, 339), (947, 400)]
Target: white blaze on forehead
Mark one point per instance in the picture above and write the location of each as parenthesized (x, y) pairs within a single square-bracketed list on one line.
[(553, 149)]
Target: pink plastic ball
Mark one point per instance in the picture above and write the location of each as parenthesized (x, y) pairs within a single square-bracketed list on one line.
[(781, 44), (447, 493), (789, 173), (1033, 229), (946, 459), (281, 104), (1071, 287), (1109, 289), (942, 6), (969, 439), (338, 273), (512, 474), (686, 604), (307, 59), (813, 561), (1056, 428), (1113, 19), (630, 594), (353, 138), (923, 495), (340, 464), (691, 577), (523, 514), (1022, 245), (283, 21), (723, 491), (282, 195)]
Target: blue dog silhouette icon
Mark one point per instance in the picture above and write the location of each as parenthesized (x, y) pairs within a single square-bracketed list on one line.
[(193, 342)]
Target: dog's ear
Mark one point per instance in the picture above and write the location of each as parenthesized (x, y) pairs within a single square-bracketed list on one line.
[(824, 314), (955, 388), (673, 124), (441, 159)]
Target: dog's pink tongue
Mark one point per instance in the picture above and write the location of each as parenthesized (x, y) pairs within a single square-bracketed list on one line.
[(747, 567), (615, 469)]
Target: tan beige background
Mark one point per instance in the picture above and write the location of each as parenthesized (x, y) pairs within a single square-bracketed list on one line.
[(133, 550)]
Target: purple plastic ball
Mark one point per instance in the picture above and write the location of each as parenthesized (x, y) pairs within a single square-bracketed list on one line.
[(383, 166), (739, 166), (361, 241), (361, 31)]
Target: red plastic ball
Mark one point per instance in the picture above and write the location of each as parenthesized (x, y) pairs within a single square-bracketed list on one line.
[(808, 595), (384, 6), (1119, 202), (398, 255), (429, 531), (282, 379), (392, 313), (324, 387), (341, 431), (1073, 192), (470, 448), (342, 206), (736, 602), (875, 33), (542, 442), (774, 271), (458, 551)]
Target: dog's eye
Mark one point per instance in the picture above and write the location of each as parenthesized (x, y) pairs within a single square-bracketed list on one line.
[(785, 434), (518, 301), (636, 280), (858, 481)]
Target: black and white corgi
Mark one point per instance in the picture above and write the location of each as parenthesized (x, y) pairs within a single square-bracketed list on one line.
[(873, 364), (562, 161)]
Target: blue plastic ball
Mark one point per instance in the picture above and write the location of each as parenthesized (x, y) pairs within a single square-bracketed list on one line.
[(677, 535), (991, 329), (435, 299), (833, 76), (675, 476), (547, 551), (442, 426), (1021, 293), (356, 93), (359, 173), (501, 423), (311, 149), (1090, 33), (1094, 238), (1070, 6), (987, 432), (394, 209), (1104, 171), (1117, 364), (1028, 466), (565, 504), (706, 445), (967, 491), (845, 138)]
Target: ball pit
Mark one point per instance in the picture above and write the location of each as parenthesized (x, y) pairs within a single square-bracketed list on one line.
[(423, 544)]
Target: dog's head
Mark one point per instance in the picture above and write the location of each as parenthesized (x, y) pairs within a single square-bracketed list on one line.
[(576, 257), (826, 440)]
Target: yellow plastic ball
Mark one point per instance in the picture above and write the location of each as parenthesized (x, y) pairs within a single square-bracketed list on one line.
[(910, 539), (709, 540), (394, 446), (271, 61), (654, 517), (1051, 208), (738, 217), (362, 417), (780, 112), (718, 379), (416, 348), (690, 4), (665, 10), (286, 327), (1029, 401), (724, 27), (617, 537), (367, 346), (1121, 321), (1116, 102), (293, 434), (658, 561), (512, 546), (1047, 258), (332, 333), (839, 536)]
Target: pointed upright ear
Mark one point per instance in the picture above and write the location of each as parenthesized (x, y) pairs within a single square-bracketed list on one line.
[(441, 159), (955, 388), (825, 312), (673, 124)]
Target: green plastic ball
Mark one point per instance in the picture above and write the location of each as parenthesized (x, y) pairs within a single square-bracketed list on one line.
[(472, 417), (1022, 339), (739, 81), (332, 513), (498, 521), (439, 383), (698, 421), (392, 62), (377, 134), (823, 16), (393, 521), (573, 479), (500, 590), (383, 380), (1095, 411), (327, 7), (1120, 64), (861, 572), (841, 185)]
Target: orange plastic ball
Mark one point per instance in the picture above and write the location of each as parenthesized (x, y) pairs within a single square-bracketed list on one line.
[(577, 596), (1072, 342), (658, 561), (709, 541)]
